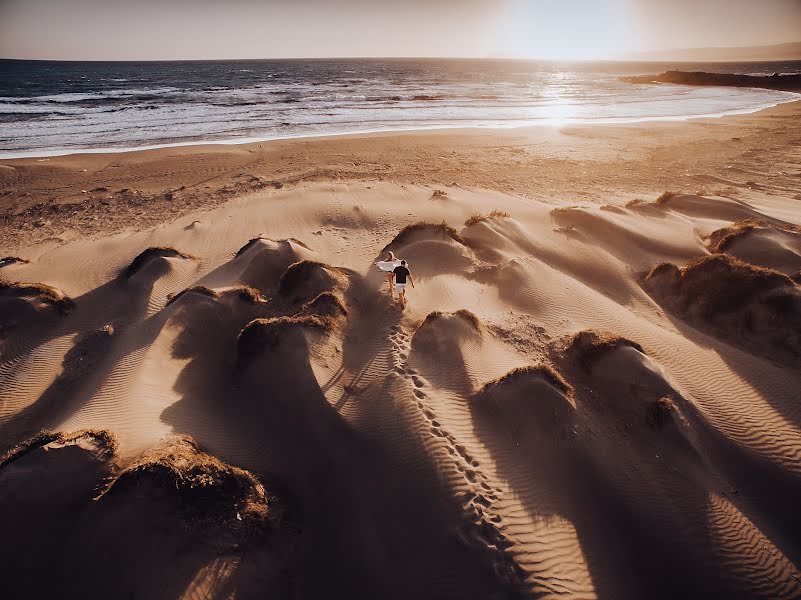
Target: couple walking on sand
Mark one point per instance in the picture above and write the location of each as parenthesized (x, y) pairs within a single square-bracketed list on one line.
[(397, 275)]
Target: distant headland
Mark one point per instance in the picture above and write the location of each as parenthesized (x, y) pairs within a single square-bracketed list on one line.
[(776, 81)]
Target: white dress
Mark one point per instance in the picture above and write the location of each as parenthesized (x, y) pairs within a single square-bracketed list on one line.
[(388, 265)]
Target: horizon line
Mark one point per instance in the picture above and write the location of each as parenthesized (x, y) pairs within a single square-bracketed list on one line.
[(409, 58)]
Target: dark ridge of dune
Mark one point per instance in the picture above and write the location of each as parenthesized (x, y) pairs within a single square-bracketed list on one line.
[(587, 346), (200, 290), (252, 242), (754, 304), (208, 494), (620, 385), (102, 441), (38, 292), (326, 305), (306, 279), (269, 333), (149, 254), (715, 284), (796, 277), (408, 233), (479, 218), (789, 82), (10, 260)]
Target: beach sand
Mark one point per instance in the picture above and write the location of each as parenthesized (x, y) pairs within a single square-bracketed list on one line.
[(593, 392)]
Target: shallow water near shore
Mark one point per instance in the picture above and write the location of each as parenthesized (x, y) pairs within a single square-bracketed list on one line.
[(51, 108)]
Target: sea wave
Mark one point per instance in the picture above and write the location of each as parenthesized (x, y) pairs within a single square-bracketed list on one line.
[(107, 105)]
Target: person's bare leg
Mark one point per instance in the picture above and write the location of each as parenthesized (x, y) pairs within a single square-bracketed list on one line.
[(402, 297), (391, 289)]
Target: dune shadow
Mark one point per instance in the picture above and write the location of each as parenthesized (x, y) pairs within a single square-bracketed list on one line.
[(358, 516), (635, 494), (109, 325)]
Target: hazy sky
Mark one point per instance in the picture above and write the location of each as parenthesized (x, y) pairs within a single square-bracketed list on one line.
[(580, 29)]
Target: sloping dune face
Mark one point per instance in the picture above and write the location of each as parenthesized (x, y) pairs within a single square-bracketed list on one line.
[(580, 402)]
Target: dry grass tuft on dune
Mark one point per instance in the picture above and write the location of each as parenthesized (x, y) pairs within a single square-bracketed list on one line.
[(102, 441), (306, 277), (246, 293), (252, 242), (38, 292), (757, 305), (662, 199), (565, 211), (665, 197), (722, 239), (464, 314), (208, 493), (636, 203), (526, 403), (717, 283), (661, 413), (200, 290), (588, 346), (479, 218), (269, 333), (470, 317), (149, 254), (326, 305), (10, 260), (521, 374), (407, 234)]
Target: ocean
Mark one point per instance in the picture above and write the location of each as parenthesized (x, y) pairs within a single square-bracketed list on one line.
[(51, 108)]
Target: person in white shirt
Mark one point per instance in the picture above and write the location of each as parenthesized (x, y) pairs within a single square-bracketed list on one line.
[(388, 266)]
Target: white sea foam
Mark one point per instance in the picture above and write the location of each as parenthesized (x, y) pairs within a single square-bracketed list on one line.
[(172, 104)]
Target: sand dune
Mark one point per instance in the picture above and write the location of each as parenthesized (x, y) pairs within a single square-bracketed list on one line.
[(594, 400)]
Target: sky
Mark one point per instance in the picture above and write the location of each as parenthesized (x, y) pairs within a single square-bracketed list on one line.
[(544, 29)]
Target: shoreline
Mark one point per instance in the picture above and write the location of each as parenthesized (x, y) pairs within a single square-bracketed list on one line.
[(63, 198), (545, 123)]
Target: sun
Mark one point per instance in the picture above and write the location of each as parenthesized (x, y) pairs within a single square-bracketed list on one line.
[(566, 30)]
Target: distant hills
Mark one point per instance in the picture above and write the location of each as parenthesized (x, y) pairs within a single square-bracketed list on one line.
[(788, 51)]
